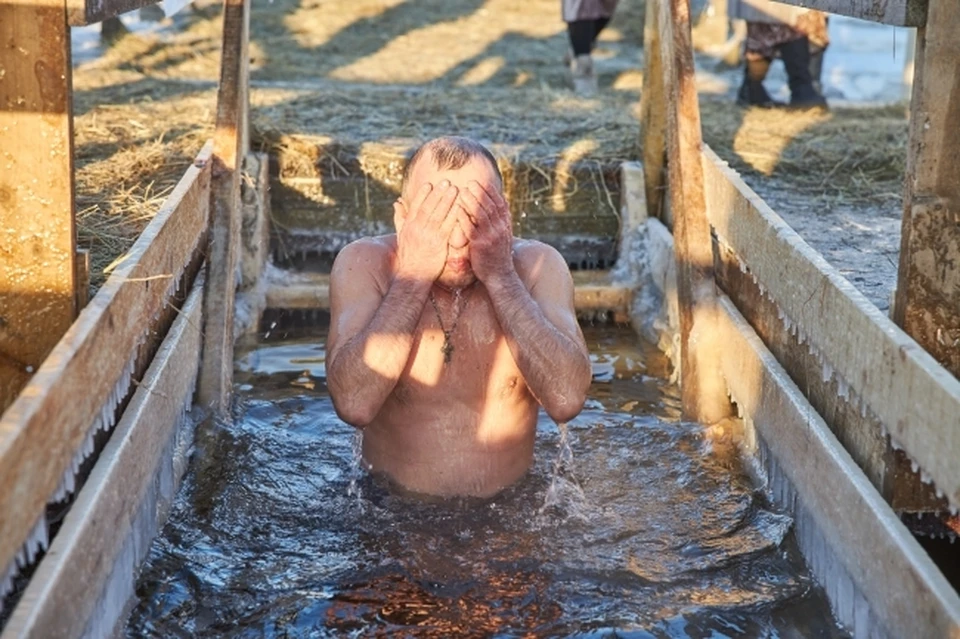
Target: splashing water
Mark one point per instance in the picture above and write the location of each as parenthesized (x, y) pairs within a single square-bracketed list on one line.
[(564, 494), (356, 469)]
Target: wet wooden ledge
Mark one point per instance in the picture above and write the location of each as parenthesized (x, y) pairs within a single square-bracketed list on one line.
[(595, 291)]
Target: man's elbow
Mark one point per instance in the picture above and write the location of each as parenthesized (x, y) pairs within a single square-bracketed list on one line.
[(568, 403), (565, 410), (355, 413)]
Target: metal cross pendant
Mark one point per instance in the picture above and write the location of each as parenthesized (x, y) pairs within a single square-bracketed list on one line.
[(447, 348)]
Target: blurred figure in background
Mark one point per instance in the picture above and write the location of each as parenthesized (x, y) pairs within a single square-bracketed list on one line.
[(585, 20), (798, 36)]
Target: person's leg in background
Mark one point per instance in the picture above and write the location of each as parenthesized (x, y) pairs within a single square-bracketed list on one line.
[(815, 25), (759, 51), (793, 45), (582, 34), (599, 25), (585, 20), (796, 60)]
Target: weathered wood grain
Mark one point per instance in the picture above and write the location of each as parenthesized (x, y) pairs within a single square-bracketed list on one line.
[(84, 12), (928, 288), (927, 304), (653, 114), (701, 392), (37, 226), (229, 147), (593, 291), (916, 399), (899, 13), (64, 591), (903, 587), (41, 432)]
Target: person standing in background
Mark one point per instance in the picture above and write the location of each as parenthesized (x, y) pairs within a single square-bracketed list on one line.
[(799, 36), (585, 20)]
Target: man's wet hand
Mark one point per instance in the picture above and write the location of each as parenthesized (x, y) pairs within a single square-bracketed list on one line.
[(424, 227), (485, 219)]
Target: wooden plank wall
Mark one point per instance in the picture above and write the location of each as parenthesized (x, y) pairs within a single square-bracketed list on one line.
[(230, 143), (42, 431), (895, 381), (841, 518), (37, 234), (73, 578)]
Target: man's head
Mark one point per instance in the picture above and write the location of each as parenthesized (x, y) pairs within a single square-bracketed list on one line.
[(448, 153), (460, 161)]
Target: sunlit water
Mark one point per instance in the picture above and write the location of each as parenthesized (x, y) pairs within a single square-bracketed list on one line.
[(634, 525)]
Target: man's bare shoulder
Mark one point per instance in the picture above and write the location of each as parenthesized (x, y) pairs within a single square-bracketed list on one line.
[(374, 254), (532, 257)]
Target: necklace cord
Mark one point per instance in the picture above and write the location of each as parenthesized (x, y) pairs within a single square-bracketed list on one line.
[(447, 348)]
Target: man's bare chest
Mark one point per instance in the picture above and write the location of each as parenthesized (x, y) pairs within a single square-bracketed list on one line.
[(466, 361)]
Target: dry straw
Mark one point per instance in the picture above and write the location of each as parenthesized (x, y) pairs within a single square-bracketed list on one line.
[(146, 106)]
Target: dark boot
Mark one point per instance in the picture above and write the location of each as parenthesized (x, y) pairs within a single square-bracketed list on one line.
[(816, 67), (796, 60), (752, 91)]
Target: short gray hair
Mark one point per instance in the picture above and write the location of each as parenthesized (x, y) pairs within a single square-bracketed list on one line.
[(450, 152)]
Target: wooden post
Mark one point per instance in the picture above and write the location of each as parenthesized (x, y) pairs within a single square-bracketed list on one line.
[(229, 149), (927, 303), (37, 233), (703, 392), (653, 114)]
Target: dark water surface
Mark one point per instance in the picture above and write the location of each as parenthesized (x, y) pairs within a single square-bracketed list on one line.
[(631, 524)]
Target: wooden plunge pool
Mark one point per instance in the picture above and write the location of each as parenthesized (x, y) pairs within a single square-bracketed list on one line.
[(631, 523)]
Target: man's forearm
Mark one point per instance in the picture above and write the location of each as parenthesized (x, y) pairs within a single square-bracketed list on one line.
[(366, 368), (554, 365)]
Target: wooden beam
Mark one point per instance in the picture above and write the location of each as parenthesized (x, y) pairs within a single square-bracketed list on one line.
[(927, 304), (594, 291), (653, 114), (912, 396), (861, 434), (229, 148), (84, 12), (300, 291), (83, 279), (928, 290), (905, 592), (37, 225), (899, 13), (701, 392), (255, 228), (75, 575), (44, 428)]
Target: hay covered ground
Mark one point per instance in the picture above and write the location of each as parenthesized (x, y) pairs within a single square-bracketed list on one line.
[(372, 72)]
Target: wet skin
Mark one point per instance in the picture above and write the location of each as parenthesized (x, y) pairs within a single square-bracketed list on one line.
[(463, 426)]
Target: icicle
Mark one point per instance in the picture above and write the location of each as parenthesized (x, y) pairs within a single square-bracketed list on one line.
[(826, 373), (843, 390), (104, 421), (6, 581)]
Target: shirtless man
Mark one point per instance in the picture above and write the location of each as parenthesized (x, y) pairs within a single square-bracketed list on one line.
[(447, 336)]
